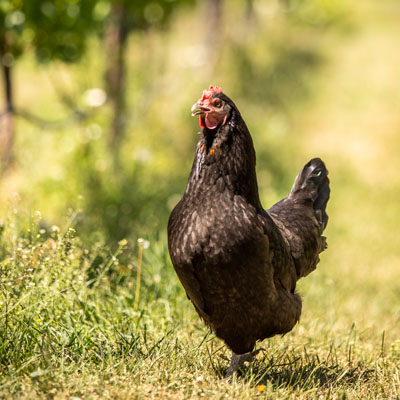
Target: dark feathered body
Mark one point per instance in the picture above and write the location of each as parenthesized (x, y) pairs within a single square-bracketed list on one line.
[(237, 262)]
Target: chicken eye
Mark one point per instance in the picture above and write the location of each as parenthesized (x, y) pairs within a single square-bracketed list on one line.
[(218, 104)]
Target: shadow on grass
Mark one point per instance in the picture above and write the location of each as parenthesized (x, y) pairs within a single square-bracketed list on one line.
[(300, 371)]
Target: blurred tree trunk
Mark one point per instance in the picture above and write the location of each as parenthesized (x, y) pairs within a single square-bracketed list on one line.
[(214, 21), (7, 117), (286, 4), (250, 12), (214, 30), (115, 46), (214, 8)]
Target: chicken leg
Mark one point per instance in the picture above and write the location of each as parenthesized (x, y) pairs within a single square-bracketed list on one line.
[(238, 360)]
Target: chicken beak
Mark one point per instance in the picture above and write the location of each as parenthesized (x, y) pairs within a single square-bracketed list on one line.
[(199, 108)]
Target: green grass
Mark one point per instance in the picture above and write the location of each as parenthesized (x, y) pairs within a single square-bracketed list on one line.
[(68, 330)]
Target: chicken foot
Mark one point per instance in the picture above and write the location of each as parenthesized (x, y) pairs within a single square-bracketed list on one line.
[(238, 360)]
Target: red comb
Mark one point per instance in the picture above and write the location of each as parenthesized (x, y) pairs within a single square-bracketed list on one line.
[(211, 90)]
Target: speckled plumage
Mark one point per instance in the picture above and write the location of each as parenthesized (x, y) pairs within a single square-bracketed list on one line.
[(238, 262)]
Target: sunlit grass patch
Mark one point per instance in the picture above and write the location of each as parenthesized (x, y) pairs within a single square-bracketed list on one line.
[(65, 307), (69, 327)]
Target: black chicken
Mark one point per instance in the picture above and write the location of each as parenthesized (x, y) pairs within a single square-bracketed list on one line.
[(238, 262)]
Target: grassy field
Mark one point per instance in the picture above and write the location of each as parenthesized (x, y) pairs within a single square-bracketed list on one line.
[(70, 327)]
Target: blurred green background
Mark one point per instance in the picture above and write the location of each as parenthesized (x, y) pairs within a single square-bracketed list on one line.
[(96, 124), (97, 116), (96, 134), (96, 98)]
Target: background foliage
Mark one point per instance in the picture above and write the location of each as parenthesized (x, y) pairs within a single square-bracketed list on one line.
[(102, 144)]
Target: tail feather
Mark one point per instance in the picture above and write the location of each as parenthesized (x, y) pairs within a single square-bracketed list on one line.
[(312, 184)]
